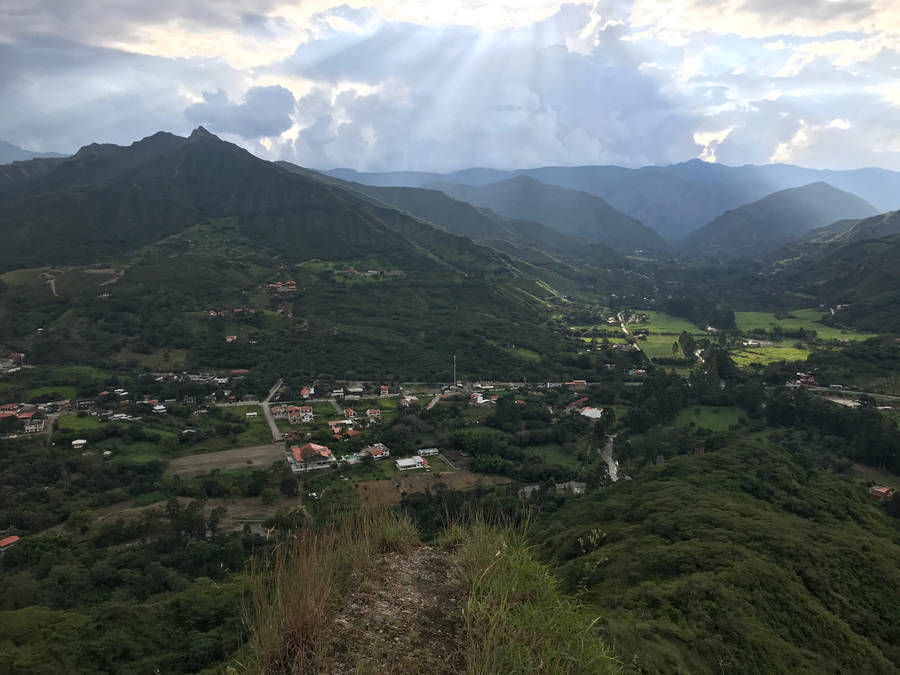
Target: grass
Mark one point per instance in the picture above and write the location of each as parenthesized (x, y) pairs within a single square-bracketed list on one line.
[(801, 319), (20, 277), (296, 591), (76, 423), (516, 620), (766, 355), (157, 360), (61, 391), (660, 322), (710, 417), (553, 454)]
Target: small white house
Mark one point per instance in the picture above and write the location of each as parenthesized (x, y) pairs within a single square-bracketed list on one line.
[(159, 409), (408, 463), (252, 414), (425, 452), (78, 443)]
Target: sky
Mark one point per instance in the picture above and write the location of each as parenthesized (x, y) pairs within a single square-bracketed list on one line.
[(379, 85)]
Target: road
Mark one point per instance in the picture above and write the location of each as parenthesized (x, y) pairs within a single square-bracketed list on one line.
[(837, 392), (267, 411), (625, 330), (606, 454), (255, 456), (433, 402)]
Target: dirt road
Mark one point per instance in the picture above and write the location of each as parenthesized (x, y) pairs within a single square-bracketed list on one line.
[(256, 456)]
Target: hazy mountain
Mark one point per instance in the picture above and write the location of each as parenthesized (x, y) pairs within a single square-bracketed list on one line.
[(776, 219), (12, 153), (524, 239), (676, 199), (569, 211)]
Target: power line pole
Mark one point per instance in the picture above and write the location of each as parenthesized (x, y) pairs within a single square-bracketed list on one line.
[(454, 370)]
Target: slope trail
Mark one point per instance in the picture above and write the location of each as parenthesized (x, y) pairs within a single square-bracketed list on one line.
[(404, 617)]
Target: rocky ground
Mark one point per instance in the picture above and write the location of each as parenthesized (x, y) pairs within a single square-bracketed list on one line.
[(404, 617)]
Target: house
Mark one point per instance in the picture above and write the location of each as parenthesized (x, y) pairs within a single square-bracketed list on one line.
[(337, 393), (376, 451), (24, 415), (408, 401), (239, 371), (306, 392), (251, 414), (349, 414), (384, 390), (592, 413), (880, 492), (572, 487), (34, 426), (580, 403), (355, 390), (306, 414), (159, 409), (8, 542), (409, 463), (577, 385), (425, 452), (230, 338), (78, 443), (310, 456), (374, 415)]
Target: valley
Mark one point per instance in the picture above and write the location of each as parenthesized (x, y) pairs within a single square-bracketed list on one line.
[(684, 428)]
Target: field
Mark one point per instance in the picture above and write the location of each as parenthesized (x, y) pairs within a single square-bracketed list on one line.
[(552, 454), (766, 355), (659, 346), (801, 319), (159, 359), (381, 492), (709, 417), (660, 322), (259, 457), (76, 423), (59, 391)]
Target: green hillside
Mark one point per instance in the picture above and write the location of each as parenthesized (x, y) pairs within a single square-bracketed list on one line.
[(742, 560)]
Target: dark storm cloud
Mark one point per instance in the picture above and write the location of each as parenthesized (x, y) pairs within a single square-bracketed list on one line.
[(266, 111)]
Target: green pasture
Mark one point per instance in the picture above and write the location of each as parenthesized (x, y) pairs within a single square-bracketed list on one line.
[(710, 417), (801, 319)]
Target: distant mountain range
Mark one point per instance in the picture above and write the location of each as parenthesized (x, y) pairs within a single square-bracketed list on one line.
[(673, 200), (12, 153), (571, 212), (763, 225), (525, 239)]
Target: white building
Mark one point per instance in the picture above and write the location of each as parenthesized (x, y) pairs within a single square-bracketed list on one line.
[(159, 409), (78, 443), (425, 452), (408, 463)]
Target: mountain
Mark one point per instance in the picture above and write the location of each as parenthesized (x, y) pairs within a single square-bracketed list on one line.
[(119, 251), (862, 274), (763, 225), (676, 199), (524, 239), (849, 231), (574, 213), (11, 153), (106, 200)]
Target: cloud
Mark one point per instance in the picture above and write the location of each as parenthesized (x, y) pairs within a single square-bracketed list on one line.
[(266, 111), (419, 84)]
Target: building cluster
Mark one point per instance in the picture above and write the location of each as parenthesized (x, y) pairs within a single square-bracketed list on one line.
[(23, 418)]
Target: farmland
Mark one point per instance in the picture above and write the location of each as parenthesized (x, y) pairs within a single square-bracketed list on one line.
[(801, 319)]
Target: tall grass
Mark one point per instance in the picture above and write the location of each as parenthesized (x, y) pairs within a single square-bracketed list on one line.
[(516, 620), (296, 591)]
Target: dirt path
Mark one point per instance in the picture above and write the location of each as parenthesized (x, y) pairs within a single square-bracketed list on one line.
[(256, 456), (405, 617), (433, 402), (607, 454)]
